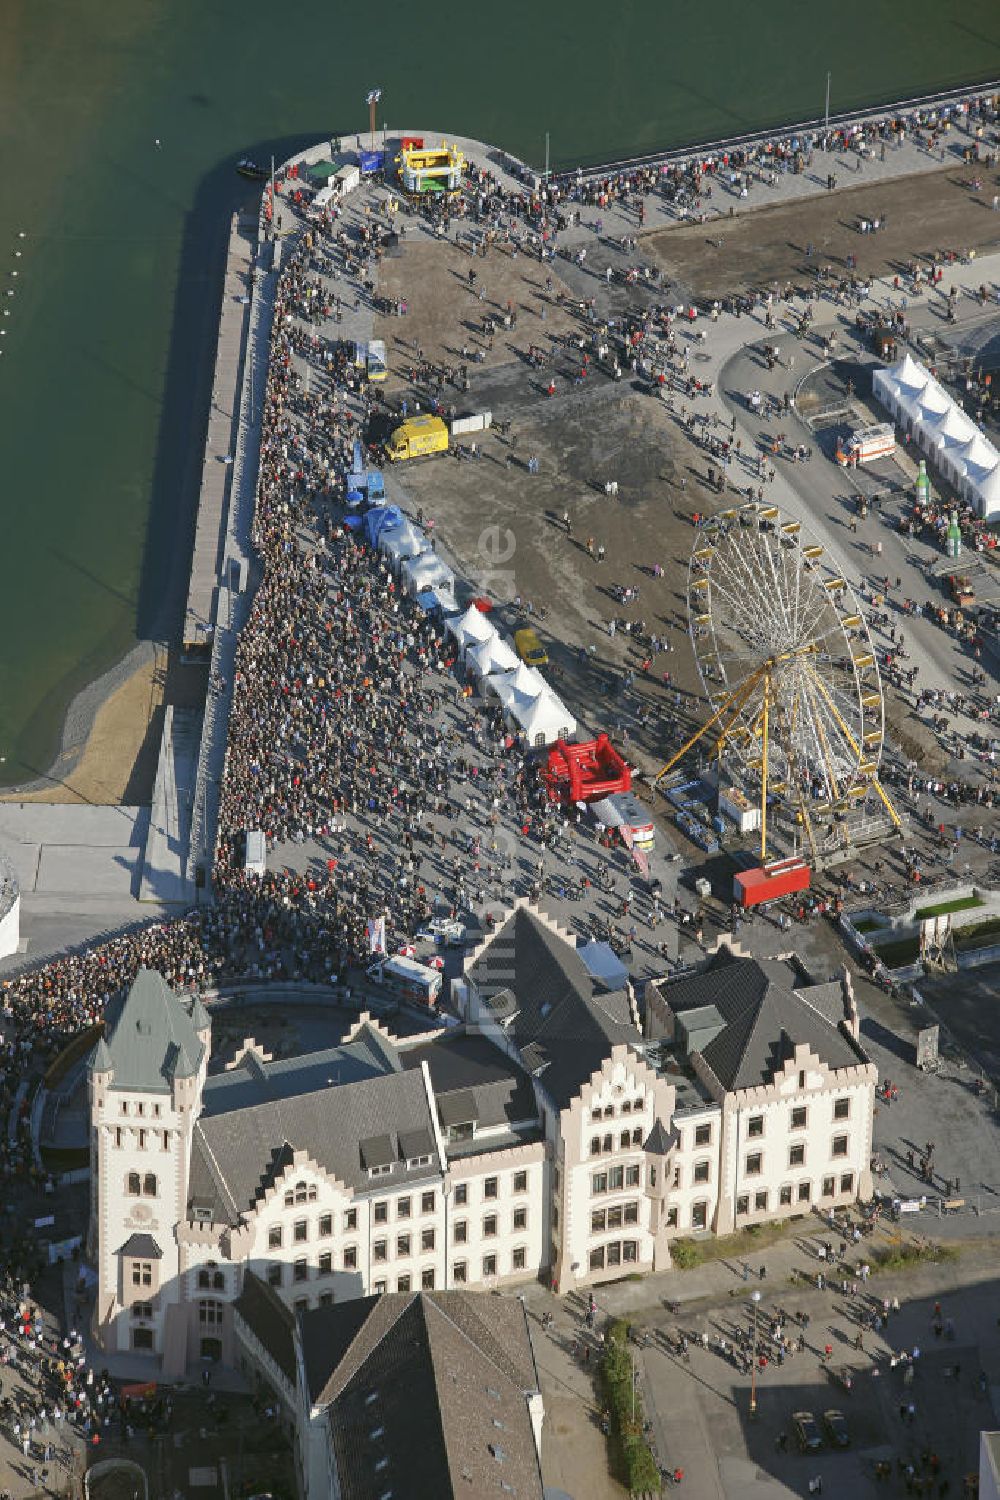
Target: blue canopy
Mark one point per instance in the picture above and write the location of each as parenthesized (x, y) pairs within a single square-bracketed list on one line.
[(380, 518)]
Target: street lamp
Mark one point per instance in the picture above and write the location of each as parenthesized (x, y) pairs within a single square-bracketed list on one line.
[(371, 99), (755, 1299)]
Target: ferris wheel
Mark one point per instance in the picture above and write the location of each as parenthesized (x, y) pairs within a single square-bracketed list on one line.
[(787, 664)]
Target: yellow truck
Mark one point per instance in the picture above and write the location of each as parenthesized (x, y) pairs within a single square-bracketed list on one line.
[(417, 436)]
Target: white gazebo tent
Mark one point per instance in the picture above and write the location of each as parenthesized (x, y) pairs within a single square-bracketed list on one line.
[(470, 629), (398, 543), (427, 571), (544, 719), (521, 682), (490, 657)]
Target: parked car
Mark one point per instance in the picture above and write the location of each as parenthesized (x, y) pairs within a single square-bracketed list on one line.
[(836, 1429), (529, 648), (807, 1433)]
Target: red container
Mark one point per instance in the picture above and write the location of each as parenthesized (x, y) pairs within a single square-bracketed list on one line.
[(782, 878)]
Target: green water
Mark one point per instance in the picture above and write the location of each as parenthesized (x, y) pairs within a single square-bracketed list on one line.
[(108, 346)]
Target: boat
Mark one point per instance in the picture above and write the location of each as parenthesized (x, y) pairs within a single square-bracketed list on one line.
[(247, 167)]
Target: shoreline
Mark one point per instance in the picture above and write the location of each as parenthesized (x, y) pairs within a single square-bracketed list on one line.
[(85, 709)]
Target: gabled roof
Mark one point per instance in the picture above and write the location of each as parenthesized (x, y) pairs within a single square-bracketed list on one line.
[(765, 1019), (565, 1022), (150, 1037), (425, 1394), (141, 1247), (473, 1081)]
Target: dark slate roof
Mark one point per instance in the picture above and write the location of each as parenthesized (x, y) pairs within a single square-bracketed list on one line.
[(238, 1154), (566, 1022), (659, 1141), (425, 1394), (474, 1081), (270, 1321), (141, 1247), (765, 1019), (150, 1037)]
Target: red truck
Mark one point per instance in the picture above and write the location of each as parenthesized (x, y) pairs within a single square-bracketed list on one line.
[(783, 877)]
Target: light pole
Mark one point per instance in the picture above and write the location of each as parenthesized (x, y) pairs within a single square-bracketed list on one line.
[(826, 116), (371, 99), (755, 1299)]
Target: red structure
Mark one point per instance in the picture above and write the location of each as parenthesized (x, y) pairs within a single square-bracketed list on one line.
[(768, 883), (587, 772)]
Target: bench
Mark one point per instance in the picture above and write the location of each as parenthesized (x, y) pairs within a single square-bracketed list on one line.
[(952, 1205)]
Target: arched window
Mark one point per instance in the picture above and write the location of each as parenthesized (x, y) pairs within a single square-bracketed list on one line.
[(204, 1278), (219, 1281), (149, 1185), (132, 1186)]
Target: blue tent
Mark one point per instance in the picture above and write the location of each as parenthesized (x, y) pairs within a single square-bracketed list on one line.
[(380, 518)]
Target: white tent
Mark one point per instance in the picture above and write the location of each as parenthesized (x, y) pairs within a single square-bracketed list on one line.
[(470, 629), (427, 571), (496, 655), (401, 542), (943, 431), (544, 719), (523, 682)]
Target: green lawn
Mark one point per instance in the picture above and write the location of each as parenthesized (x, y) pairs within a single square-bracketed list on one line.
[(961, 903)]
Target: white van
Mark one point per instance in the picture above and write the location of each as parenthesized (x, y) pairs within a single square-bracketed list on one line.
[(407, 979), (254, 852)]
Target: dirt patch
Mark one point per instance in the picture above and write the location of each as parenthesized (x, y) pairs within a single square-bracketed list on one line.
[(764, 246)]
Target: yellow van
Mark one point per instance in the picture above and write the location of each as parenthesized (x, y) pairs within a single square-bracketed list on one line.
[(416, 436), (529, 648)]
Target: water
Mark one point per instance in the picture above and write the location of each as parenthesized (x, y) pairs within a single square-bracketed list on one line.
[(108, 347)]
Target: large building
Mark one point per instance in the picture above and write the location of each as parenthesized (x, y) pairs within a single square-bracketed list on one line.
[(546, 1135)]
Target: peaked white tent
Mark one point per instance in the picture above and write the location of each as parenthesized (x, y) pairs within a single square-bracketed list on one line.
[(943, 431), (470, 629), (522, 682), (544, 719), (427, 571), (489, 657)]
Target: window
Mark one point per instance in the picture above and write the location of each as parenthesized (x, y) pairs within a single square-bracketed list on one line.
[(755, 1126), (461, 1194), (799, 1117), (701, 1171), (847, 1182), (637, 1136), (597, 1258), (615, 1217), (489, 1265), (300, 1270), (840, 1145), (785, 1195), (209, 1313), (427, 1239), (802, 1078), (520, 1218), (140, 1109), (118, 1135), (123, 1107), (760, 1202), (351, 1258), (743, 1204), (149, 1185), (796, 1155), (626, 1139), (325, 1225), (703, 1135), (427, 1278), (630, 1250), (204, 1278), (595, 1145), (609, 1142), (142, 1309), (142, 1338), (427, 1203), (460, 1272), (379, 1288), (598, 1221), (140, 1139), (755, 1164), (301, 1304), (326, 1299), (631, 1213), (599, 1182), (616, 1179), (609, 1110), (325, 1263), (627, 1107), (166, 1140), (133, 1185), (351, 1219), (380, 1213), (461, 1232), (615, 1253), (142, 1273), (301, 1231), (699, 1216), (380, 1250), (805, 1192), (520, 1182), (490, 1187), (403, 1208), (518, 1260), (671, 1218), (402, 1244), (595, 1113), (828, 1191), (842, 1109), (638, 1105), (156, 1111), (402, 1283), (274, 1271)]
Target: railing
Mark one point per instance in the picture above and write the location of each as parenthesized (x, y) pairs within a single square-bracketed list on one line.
[(902, 108)]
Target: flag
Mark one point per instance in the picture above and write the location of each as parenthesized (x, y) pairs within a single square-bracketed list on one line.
[(376, 934)]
